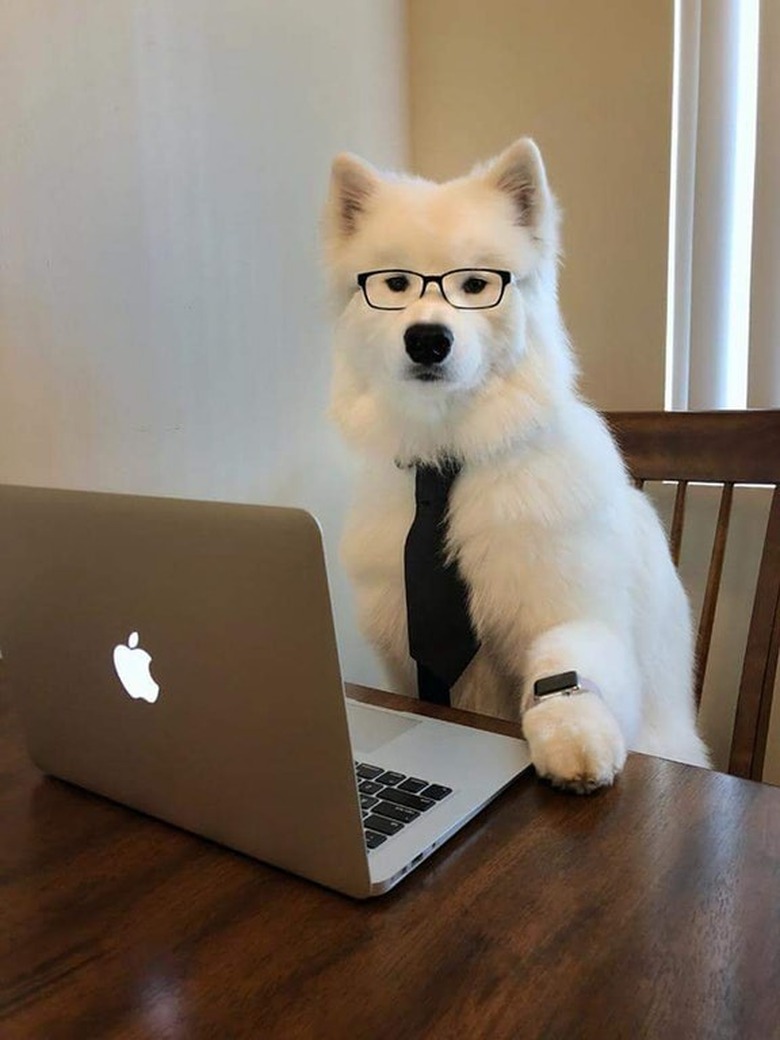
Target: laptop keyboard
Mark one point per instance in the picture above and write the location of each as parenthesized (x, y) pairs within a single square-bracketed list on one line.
[(389, 801)]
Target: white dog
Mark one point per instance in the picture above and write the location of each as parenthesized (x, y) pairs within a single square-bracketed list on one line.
[(566, 563)]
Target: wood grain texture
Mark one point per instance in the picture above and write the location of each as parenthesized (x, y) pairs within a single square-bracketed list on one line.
[(648, 910), (742, 447), (727, 448)]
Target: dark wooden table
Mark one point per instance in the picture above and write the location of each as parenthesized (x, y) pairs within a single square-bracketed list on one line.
[(649, 910)]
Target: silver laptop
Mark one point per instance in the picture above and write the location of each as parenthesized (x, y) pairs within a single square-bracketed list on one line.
[(180, 657)]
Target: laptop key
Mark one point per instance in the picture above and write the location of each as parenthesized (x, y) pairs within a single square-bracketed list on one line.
[(367, 772), (369, 787), (382, 824), (413, 785), (396, 812), (373, 839), (437, 792), (390, 778), (412, 801), (367, 801)]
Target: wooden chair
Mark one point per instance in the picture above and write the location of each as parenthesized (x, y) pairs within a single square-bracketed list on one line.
[(728, 449)]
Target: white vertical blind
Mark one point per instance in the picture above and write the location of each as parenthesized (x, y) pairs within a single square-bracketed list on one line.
[(713, 214), (764, 371), (687, 17), (711, 211)]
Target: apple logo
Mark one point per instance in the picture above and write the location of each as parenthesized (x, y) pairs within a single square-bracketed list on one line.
[(132, 667)]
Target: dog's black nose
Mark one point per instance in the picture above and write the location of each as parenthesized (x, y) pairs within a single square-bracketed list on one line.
[(428, 344)]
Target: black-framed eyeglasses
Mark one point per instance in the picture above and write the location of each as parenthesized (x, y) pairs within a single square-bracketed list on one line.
[(467, 288)]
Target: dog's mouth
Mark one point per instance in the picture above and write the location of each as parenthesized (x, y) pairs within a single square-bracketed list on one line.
[(426, 374)]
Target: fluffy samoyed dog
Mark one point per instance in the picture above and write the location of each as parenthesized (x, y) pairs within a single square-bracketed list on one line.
[(566, 563)]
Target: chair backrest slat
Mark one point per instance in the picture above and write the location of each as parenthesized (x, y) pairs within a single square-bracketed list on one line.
[(678, 519), (707, 618)]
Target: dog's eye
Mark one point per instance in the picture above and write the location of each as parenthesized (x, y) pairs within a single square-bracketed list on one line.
[(473, 285), (397, 283)]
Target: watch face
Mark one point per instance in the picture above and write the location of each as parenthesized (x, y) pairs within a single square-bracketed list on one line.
[(555, 683)]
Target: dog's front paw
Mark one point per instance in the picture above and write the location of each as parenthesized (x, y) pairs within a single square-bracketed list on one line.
[(575, 742)]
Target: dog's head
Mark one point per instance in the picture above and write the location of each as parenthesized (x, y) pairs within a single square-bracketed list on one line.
[(438, 287)]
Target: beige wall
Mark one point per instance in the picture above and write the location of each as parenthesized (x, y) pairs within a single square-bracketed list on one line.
[(591, 80)]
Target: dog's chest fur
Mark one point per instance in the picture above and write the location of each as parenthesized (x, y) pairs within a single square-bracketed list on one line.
[(504, 531)]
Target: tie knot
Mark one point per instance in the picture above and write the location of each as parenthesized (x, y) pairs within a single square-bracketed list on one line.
[(433, 483)]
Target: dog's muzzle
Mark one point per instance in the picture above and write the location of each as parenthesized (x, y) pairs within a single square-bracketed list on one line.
[(428, 344)]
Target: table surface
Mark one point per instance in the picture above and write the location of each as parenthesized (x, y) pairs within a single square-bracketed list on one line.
[(648, 910)]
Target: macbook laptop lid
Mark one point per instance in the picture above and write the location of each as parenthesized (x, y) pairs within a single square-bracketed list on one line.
[(180, 657)]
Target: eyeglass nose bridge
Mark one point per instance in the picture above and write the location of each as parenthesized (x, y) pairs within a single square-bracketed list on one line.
[(437, 279)]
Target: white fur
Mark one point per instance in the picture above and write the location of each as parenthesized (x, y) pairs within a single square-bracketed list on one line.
[(566, 563)]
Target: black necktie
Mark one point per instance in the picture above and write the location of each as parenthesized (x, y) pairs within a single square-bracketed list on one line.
[(441, 636)]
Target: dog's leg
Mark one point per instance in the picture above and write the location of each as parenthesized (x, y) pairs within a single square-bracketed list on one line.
[(579, 742)]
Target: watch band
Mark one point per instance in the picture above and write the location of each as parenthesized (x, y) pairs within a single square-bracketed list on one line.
[(563, 684)]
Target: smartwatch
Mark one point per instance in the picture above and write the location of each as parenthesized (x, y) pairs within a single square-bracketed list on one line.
[(564, 684)]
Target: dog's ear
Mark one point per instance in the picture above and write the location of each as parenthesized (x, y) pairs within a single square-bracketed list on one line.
[(352, 183), (519, 172)]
